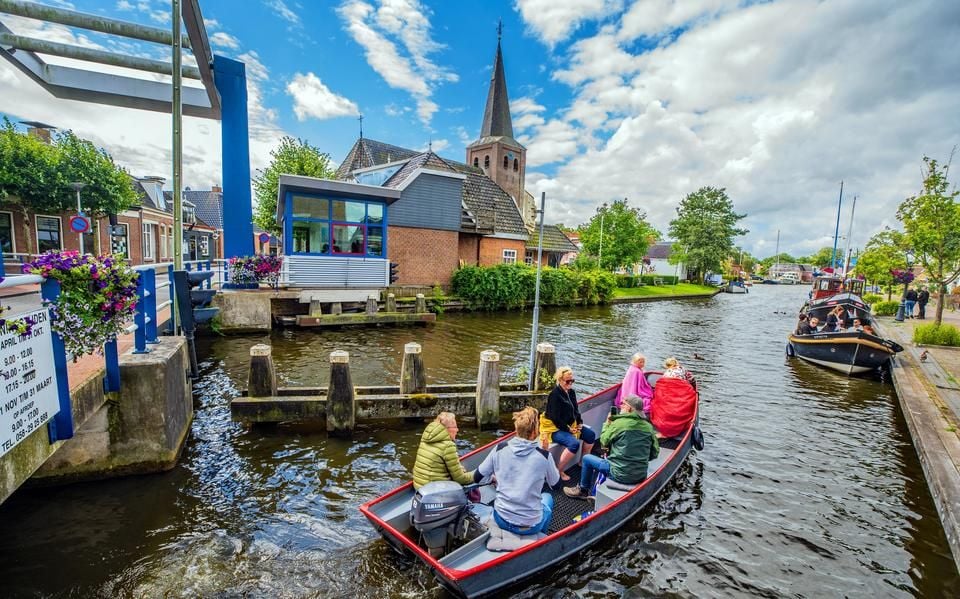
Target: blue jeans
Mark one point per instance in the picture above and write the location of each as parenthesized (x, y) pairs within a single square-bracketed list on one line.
[(546, 503), (572, 443), (908, 308), (591, 465)]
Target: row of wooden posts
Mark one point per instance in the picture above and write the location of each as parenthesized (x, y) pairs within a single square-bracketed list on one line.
[(419, 306), (342, 403)]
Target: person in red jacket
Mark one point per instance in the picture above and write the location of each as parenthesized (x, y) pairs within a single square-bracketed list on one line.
[(674, 401)]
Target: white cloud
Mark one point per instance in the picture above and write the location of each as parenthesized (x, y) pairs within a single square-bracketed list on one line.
[(436, 146), (160, 16), (313, 99), (776, 102), (224, 40), (554, 20), (397, 43), (283, 11), (124, 5)]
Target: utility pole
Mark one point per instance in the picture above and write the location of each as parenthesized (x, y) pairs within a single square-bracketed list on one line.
[(536, 297), (603, 212), (77, 186)]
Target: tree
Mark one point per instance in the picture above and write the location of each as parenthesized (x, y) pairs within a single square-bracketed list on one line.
[(704, 230), (931, 222), (36, 176), (823, 256), (885, 252), (626, 235), (291, 157)]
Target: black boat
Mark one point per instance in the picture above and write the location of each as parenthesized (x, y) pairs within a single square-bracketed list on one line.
[(469, 569), (853, 352), (829, 292)]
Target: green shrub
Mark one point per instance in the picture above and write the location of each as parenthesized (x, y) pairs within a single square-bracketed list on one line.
[(507, 286), (885, 308), (934, 334), (872, 298), (627, 281), (667, 279)]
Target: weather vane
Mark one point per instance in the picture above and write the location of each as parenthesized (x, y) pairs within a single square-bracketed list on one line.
[(361, 125)]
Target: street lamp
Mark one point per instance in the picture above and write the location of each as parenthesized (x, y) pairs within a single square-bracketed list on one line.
[(901, 309), (77, 186)]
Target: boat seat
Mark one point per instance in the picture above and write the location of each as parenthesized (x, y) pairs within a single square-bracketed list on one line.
[(504, 540), (556, 450), (609, 491)]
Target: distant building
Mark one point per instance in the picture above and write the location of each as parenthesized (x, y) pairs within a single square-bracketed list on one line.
[(658, 255), (556, 246)]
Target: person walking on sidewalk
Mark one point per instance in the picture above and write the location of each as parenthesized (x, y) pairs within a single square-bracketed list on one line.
[(922, 298), (909, 300)]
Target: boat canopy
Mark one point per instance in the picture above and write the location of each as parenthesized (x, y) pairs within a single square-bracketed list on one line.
[(829, 286)]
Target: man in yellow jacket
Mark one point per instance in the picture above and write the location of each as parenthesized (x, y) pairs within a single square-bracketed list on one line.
[(437, 457)]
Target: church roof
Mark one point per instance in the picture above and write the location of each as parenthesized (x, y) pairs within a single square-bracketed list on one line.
[(496, 114), (425, 160), (368, 152), (554, 240)]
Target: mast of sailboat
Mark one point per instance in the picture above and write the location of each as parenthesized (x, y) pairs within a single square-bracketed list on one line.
[(536, 298), (777, 268), (846, 251), (836, 233)]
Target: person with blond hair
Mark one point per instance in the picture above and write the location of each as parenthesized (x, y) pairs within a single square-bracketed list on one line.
[(437, 457), (635, 383), (561, 421), (521, 467), (673, 370)]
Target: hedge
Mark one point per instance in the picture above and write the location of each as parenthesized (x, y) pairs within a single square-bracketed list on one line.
[(509, 286), (630, 281), (885, 308), (872, 298), (934, 334)]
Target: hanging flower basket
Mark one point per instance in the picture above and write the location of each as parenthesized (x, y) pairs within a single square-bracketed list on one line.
[(98, 295), (902, 277), (248, 272), (22, 326)]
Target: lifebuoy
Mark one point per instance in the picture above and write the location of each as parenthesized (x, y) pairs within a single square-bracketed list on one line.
[(790, 351)]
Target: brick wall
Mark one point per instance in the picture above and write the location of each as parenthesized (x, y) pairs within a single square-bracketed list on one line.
[(491, 250), (425, 256)]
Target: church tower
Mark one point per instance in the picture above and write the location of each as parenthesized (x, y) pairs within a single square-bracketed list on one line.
[(501, 157)]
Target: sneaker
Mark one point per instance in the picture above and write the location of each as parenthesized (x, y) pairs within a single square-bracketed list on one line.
[(576, 492)]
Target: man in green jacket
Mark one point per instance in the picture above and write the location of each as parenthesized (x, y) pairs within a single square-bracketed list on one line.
[(632, 442), (437, 457)]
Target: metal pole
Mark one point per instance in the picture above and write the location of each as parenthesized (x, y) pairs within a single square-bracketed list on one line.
[(846, 251), (536, 296), (177, 149), (836, 233), (79, 212), (600, 259)]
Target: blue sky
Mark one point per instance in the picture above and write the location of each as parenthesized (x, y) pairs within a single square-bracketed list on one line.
[(646, 99)]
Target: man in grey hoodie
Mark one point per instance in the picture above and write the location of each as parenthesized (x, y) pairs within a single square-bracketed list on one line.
[(521, 467)]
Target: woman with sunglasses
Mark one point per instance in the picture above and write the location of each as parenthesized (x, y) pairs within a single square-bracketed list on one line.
[(561, 422)]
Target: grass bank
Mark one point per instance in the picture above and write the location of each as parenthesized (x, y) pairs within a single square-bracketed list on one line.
[(651, 292)]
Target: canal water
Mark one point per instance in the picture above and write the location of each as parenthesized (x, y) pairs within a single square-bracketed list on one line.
[(808, 486)]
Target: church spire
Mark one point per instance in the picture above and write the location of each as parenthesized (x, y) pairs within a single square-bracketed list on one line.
[(496, 115)]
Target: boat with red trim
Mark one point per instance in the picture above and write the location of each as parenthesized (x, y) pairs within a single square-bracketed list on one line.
[(468, 568)]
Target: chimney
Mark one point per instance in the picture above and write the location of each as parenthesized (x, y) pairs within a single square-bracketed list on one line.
[(216, 189)]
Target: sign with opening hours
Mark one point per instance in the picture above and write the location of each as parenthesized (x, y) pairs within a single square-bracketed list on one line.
[(28, 383), (79, 224)]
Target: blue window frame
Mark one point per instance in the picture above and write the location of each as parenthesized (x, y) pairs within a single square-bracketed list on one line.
[(335, 226)]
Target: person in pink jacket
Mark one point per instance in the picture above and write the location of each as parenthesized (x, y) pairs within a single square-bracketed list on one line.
[(635, 383)]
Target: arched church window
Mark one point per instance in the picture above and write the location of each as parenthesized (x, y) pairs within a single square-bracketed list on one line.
[(476, 161), (506, 162), (516, 165), (486, 161)]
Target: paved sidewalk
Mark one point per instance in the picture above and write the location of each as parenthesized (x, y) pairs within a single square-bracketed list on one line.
[(929, 394)]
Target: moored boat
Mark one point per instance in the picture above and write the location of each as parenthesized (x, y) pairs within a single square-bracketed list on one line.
[(473, 570), (852, 352)]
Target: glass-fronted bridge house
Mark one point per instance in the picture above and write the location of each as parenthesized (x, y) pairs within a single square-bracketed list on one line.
[(334, 236)]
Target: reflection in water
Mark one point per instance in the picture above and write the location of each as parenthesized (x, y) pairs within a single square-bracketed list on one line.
[(808, 486)]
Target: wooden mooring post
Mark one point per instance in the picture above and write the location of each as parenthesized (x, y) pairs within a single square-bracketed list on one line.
[(261, 378), (341, 414), (413, 377), (372, 305), (545, 360), (488, 390), (391, 303), (420, 306)]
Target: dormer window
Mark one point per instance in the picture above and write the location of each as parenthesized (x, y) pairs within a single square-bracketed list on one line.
[(506, 162), (486, 161), (189, 215), (516, 165), (476, 162)]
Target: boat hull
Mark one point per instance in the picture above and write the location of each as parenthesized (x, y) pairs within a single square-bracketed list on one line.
[(849, 353)]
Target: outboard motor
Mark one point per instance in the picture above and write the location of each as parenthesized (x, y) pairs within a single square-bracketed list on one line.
[(440, 512)]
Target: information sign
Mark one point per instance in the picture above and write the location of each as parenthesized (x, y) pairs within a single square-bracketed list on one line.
[(79, 224), (28, 384)]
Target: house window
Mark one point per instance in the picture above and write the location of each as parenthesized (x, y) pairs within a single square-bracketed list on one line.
[(204, 247), (49, 236), (7, 242), (486, 161), (163, 241), (337, 226), (528, 258), (516, 165), (148, 242), (189, 214), (509, 256), (118, 241), (476, 162), (506, 162)]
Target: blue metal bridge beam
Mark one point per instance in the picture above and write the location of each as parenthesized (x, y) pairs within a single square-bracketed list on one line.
[(231, 81)]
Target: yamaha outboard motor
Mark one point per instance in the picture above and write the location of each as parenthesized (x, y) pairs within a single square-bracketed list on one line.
[(439, 513)]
